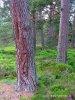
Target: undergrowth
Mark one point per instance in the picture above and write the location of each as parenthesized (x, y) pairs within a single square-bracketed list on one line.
[(55, 80)]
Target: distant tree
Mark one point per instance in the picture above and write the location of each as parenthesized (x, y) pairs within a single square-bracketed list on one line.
[(63, 32), (33, 13), (26, 70), (41, 28), (73, 34), (5, 10), (51, 19), (38, 5)]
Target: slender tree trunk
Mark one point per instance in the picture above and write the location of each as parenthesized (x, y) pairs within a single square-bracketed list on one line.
[(50, 33), (26, 70), (34, 28), (42, 33), (63, 32), (73, 34)]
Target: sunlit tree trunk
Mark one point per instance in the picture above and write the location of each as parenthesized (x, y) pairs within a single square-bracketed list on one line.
[(63, 32), (26, 70)]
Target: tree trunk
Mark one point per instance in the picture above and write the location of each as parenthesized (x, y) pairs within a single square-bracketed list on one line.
[(73, 34), (63, 32), (26, 70), (42, 33), (34, 28), (50, 33)]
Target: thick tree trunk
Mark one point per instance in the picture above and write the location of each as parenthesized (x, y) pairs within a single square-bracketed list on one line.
[(63, 32), (73, 34), (41, 31), (34, 28), (26, 70)]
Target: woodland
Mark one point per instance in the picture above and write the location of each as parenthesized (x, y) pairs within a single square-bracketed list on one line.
[(37, 49)]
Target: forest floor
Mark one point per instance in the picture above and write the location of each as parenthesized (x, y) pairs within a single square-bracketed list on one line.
[(7, 92), (56, 81)]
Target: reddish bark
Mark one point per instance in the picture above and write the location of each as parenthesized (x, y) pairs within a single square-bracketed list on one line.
[(26, 70)]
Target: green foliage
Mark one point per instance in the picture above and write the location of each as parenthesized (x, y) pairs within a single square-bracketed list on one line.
[(7, 62), (57, 87), (8, 81), (36, 4), (54, 79), (71, 57), (23, 98), (44, 54)]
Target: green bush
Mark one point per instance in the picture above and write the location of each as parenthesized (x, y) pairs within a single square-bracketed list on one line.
[(57, 87)]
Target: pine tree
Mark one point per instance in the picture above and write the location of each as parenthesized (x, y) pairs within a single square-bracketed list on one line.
[(26, 70), (73, 34), (63, 32)]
